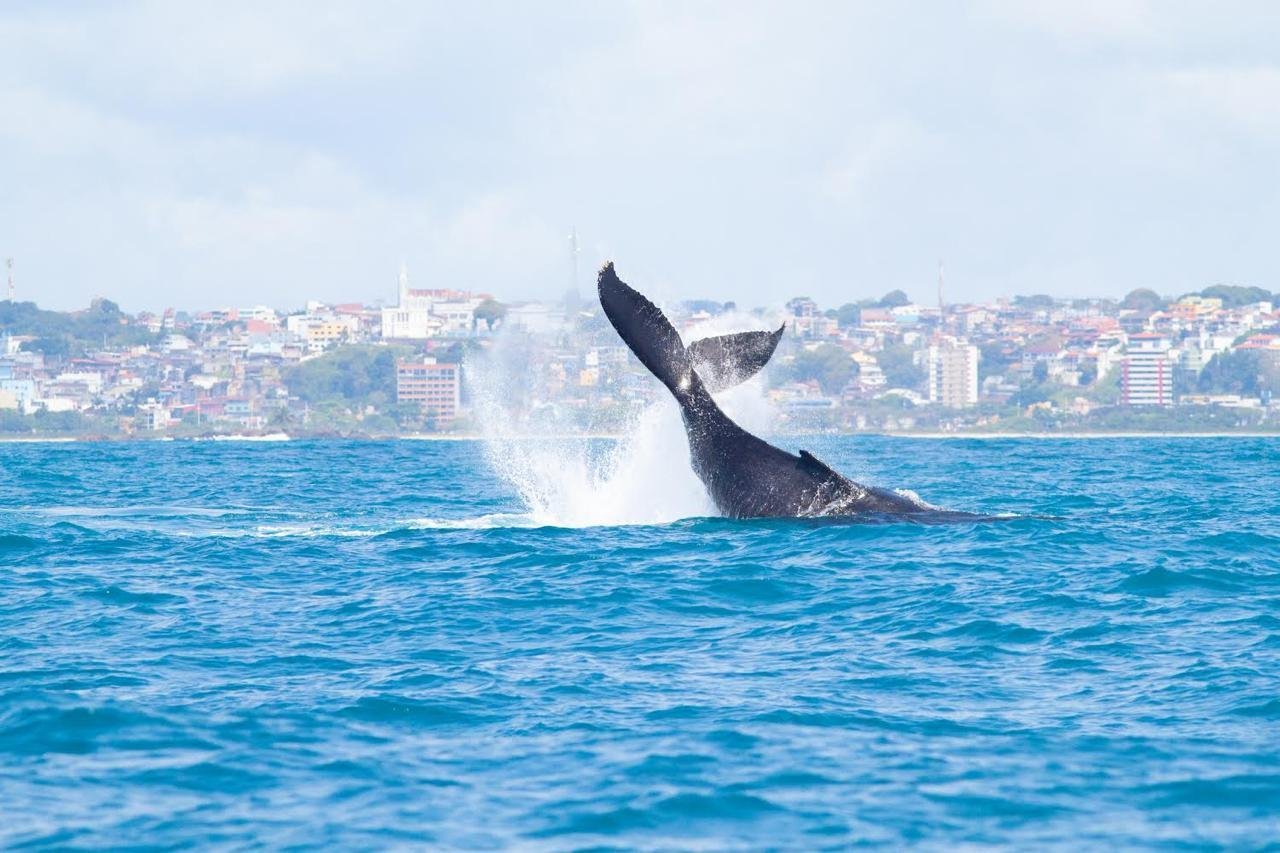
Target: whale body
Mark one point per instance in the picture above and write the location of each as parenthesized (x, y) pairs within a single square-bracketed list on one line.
[(745, 476)]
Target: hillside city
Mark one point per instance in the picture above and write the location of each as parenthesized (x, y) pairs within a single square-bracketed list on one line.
[(1205, 361)]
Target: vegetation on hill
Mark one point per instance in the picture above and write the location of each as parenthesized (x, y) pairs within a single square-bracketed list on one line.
[(68, 334), (1234, 296), (356, 375), (1247, 372), (1144, 300), (828, 364), (44, 423), (897, 363), (1034, 301)]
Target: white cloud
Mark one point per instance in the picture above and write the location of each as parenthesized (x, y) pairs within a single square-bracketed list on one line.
[(170, 153), (1245, 99), (1076, 19)]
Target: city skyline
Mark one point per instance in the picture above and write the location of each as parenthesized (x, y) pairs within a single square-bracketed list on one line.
[(157, 153), (930, 298)]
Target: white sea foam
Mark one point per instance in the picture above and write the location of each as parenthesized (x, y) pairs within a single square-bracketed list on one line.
[(497, 520), (271, 436), (916, 499)]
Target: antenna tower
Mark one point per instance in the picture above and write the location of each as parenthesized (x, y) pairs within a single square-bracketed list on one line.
[(573, 253), (8, 262), (940, 302)]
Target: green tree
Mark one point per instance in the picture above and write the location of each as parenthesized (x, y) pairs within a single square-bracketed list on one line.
[(1034, 302), (490, 312), (356, 376), (1233, 296), (1247, 372), (58, 346), (997, 358), (828, 364), (60, 334), (897, 363), (849, 315), (1142, 299), (894, 299)]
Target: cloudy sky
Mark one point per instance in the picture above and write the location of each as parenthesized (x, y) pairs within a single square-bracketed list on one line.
[(202, 154)]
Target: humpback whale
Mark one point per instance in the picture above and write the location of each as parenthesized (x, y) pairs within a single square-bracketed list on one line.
[(745, 476)]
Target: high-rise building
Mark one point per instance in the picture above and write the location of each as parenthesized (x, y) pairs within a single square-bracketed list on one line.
[(1147, 377), (436, 388), (953, 373)]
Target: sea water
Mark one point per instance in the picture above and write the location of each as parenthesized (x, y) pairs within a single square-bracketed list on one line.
[(549, 644)]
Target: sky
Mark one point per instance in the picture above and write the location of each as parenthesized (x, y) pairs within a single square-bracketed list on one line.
[(201, 155)]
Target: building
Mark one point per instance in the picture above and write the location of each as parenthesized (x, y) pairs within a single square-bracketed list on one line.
[(421, 314), (435, 388), (953, 373), (1147, 377), (323, 328)]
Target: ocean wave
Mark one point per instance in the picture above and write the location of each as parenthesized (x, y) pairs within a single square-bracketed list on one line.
[(371, 644)]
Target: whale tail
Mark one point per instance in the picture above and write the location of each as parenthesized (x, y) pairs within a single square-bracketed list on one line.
[(728, 360), (710, 364)]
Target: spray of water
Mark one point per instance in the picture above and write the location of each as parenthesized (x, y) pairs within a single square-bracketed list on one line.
[(641, 476)]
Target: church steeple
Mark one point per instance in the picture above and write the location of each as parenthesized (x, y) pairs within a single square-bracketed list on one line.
[(404, 285)]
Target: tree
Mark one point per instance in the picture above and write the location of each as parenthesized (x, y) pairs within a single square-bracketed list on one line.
[(53, 346), (848, 315), (897, 363), (1035, 301), (356, 376), (490, 311), (1143, 300), (281, 418), (894, 299), (828, 364), (1247, 372), (62, 334), (1234, 296), (996, 358)]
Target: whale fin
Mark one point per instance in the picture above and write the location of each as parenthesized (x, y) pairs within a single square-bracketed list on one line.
[(728, 360), (814, 465), (649, 334)]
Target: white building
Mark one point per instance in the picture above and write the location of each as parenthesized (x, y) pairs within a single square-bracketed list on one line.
[(420, 314), (1147, 377), (953, 373), (323, 328), (870, 376), (536, 318), (261, 313)]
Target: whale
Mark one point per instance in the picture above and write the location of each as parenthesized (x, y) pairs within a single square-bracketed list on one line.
[(744, 475)]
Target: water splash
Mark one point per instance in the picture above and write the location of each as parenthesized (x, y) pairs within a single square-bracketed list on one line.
[(641, 476)]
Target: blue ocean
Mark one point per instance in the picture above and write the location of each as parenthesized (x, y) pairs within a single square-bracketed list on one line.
[(550, 645)]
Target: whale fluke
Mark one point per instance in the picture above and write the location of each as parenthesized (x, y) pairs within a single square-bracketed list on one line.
[(720, 362), (728, 360), (649, 334)]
